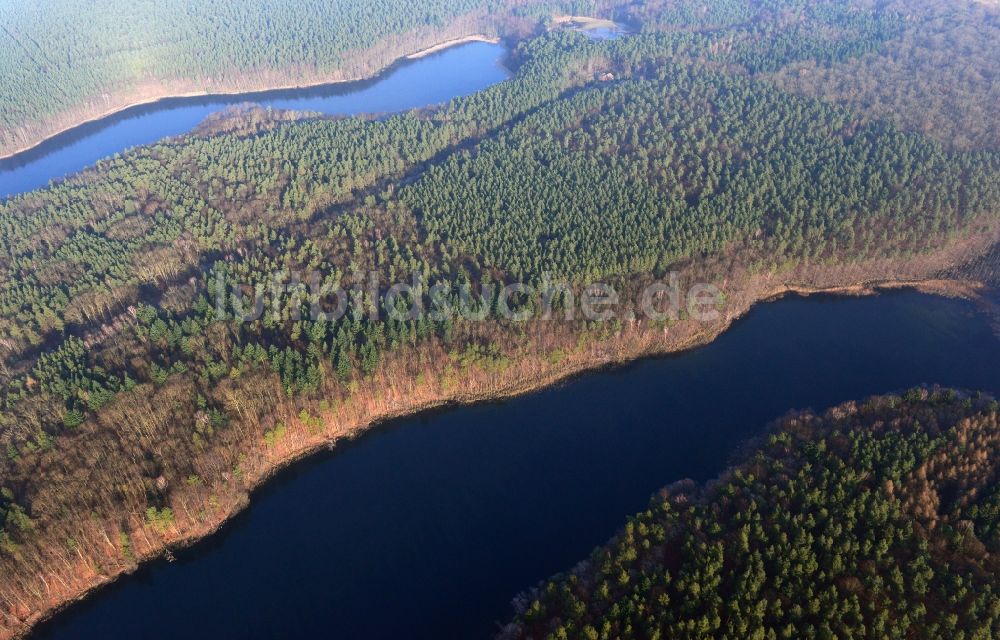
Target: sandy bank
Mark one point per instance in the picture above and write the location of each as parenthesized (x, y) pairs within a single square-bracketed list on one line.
[(441, 46)]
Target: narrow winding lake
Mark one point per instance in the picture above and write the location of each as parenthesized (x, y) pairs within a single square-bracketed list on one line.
[(433, 79), (427, 527)]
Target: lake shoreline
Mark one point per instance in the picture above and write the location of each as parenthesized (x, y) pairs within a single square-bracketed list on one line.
[(447, 44), (157, 98), (524, 386)]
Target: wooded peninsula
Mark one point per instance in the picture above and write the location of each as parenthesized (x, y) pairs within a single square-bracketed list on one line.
[(877, 519)]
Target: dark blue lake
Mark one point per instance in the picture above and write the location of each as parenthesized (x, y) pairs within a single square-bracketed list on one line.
[(427, 527), (433, 79)]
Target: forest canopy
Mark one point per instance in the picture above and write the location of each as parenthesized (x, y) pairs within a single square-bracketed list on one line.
[(135, 408)]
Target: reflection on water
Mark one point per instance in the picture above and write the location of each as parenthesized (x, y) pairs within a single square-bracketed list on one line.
[(605, 33)]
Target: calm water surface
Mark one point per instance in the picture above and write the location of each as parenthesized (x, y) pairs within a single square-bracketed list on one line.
[(427, 527), (434, 79)]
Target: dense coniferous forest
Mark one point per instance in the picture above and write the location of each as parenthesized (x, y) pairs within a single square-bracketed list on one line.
[(136, 410), (875, 520)]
